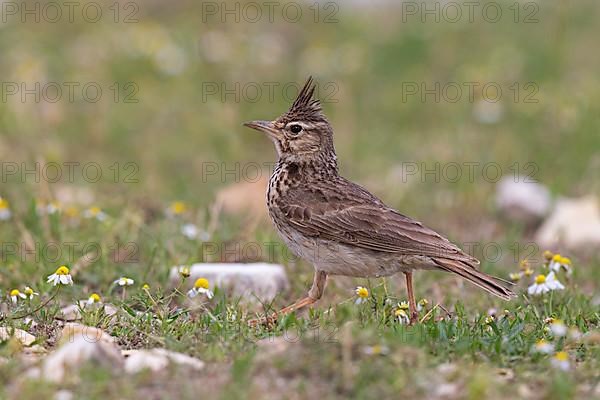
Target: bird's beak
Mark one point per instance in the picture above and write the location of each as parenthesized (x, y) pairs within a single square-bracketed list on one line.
[(264, 126)]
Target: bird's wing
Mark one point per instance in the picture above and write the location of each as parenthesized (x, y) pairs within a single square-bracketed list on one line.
[(349, 214)]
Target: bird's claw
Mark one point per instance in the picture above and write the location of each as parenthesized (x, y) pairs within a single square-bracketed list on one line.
[(264, 321)]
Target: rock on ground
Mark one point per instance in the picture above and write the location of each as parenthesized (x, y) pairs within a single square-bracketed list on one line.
[(73, 330), (78, 344), (157, 360), (574, 223), (263, 280), (522, 200), (22, 342), (24, 338)]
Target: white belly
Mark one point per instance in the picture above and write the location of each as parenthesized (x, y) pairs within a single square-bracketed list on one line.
[(340, 259)]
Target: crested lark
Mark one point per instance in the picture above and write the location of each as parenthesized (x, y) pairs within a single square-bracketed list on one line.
[(340, 227)]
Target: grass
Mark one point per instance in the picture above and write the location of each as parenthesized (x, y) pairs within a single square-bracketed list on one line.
[(339, 348), (156, 150)]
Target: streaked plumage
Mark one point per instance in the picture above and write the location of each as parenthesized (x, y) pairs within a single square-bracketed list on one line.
[(339, 226)]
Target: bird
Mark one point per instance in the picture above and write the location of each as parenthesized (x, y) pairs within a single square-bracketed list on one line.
[(340, 227)]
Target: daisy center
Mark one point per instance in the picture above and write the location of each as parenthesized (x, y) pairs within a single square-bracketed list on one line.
[(94, 211), (95, 297), (400, 313), (178, 207), (63, 270), (201, 283), (562, 356)]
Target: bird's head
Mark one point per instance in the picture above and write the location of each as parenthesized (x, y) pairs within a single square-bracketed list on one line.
[(303, 132)]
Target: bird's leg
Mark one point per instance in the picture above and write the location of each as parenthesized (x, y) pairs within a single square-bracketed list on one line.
[(412, 305), (314, 294)]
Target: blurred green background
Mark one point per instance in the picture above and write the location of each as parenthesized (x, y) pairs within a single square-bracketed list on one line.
[(175, 49), (175, 52)]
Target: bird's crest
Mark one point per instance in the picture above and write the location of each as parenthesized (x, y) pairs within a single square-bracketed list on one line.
[(305, 107)]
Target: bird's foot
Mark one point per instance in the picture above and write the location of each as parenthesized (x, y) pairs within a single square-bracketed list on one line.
[(267, 321), (272, 319), (414, 318)]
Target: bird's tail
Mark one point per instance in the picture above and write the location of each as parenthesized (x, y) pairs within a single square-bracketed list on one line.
[(495, 286)]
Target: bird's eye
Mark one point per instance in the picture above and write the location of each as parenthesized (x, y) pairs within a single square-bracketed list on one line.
[(295, 128)]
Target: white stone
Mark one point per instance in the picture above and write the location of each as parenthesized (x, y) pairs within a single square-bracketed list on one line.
[(63, 395), (157, 360), (25, 338), (574, 223), (29, 352), (74, 330), (78, 344), (446, 389), (521, 199), (263, 280)]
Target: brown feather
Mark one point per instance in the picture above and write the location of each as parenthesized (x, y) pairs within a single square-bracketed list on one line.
[(305, 107), (495, 286), (344, 212)]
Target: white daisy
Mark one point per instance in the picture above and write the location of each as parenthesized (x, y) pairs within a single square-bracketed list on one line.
[(541, 346), (553, 283), (402, 316), (190, 231), (403, 305), (15, 294), (95, 212), (543, 284), (561, 361), (376, 350), (176, 208), (94, 298), (362, 294), (515, 276), (559, 262), (30, 293), (61, 276), (53, 207), (558, 328), (201, 286), (5, 213), (124, 281), (184, 272)]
